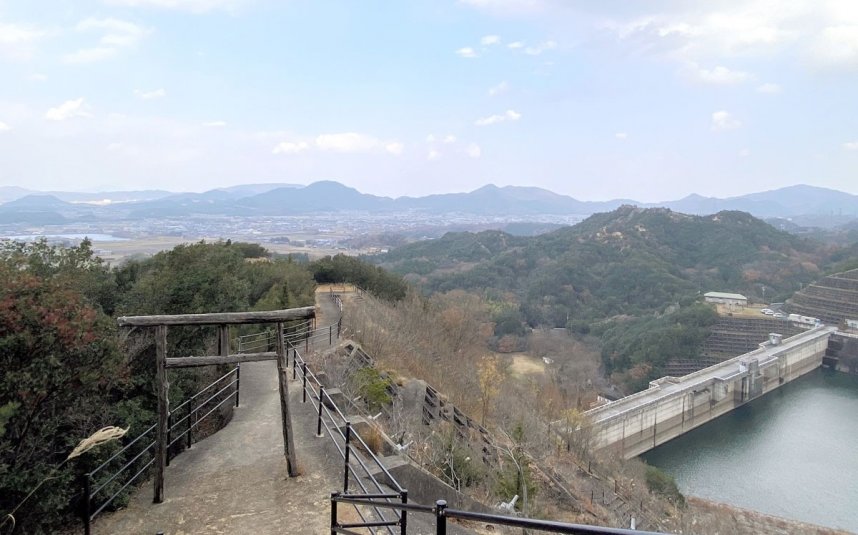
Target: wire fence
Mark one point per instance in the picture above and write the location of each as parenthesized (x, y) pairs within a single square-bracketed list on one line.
[(106, 483)]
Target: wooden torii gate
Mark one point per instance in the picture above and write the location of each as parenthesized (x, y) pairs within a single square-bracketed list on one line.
[(223, 321)]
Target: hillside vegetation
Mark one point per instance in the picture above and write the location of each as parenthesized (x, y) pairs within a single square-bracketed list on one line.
[(69, 371), (642, 266)]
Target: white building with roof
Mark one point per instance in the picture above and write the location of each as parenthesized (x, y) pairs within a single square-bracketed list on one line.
[(726, 298)]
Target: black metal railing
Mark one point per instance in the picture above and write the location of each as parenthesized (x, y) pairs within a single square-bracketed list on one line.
[(442, 513), (361, 465), (182, 421), (301, 334)]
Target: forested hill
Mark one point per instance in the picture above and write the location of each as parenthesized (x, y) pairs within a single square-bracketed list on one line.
[(628, 261)]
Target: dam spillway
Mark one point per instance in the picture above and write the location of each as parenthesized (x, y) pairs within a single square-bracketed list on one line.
[(673, 405)]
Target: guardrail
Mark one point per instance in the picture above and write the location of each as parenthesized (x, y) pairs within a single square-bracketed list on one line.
[(303, 333), (98, 480), (358, 457), (441, 513)]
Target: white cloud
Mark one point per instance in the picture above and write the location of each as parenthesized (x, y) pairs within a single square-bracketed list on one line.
[(194, 6), (851, 145), (515, 45), (474, 150), (68, 110), (430, 138), (837, 45), (150, 95), (37, 77), (769, 88), (508, 115), (116, 35), (290, 147), (4, 127), (723, 120), (540, 48), (394, 148), (744, 153), (489, 40), (433, 155), (355, 142), (824, 31), (17, 41), (719, 75), (621, 135), (449, 138), (214, 124), (498, 89), (467, 52)]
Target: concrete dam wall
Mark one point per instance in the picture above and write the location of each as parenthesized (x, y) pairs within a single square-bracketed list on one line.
[(674, 405)]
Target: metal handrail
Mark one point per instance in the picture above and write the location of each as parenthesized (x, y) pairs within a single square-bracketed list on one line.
[(359, 467), (442, 513), (88, 478)]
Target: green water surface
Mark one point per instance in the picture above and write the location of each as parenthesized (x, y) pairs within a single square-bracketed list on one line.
[(792, 453)]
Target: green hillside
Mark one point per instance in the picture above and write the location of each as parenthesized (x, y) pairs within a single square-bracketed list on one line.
[(628, 266), (629, 261)]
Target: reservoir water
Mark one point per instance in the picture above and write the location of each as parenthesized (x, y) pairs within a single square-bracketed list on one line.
[(792, 453)]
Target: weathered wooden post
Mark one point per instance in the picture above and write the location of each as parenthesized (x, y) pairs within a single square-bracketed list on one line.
[(283, 384), (163, 410)]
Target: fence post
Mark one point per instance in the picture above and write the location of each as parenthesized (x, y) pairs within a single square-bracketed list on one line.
[(87, 505), (190, 421), (294, 362), (304, 373), (440, 517), (169, 434), (321, 401), (330, 334), (403, 516), (346, 457), (163, 411), (237, 382), (334, 496)]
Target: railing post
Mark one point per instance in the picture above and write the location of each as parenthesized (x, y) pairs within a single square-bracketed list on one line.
[(334, 523), (237, 382), (304, 373), (321, 401), (190, 421), (87, 505), (330, 334), (294, 362), (440, 517), (346, 456), (169, 434), (403, 515), (163, 410)]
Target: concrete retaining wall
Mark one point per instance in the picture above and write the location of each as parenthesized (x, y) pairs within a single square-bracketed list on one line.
[(672, 406)]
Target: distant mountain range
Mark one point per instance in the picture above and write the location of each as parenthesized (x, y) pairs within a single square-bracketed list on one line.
[(801, 204)]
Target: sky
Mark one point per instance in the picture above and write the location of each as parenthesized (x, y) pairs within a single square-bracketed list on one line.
[(646, 100)]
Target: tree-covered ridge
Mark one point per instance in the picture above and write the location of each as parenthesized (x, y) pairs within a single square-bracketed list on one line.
[(68, 371), (628, 261)]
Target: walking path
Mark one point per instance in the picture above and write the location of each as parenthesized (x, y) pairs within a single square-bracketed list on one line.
[(235, 481)]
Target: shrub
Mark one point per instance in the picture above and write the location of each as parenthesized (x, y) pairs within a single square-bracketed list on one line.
[(663, 484)]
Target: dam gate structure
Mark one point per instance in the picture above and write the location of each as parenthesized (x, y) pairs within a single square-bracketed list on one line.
[(673, 405)]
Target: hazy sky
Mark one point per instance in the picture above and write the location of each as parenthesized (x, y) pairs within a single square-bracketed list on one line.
[(595, 99)]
